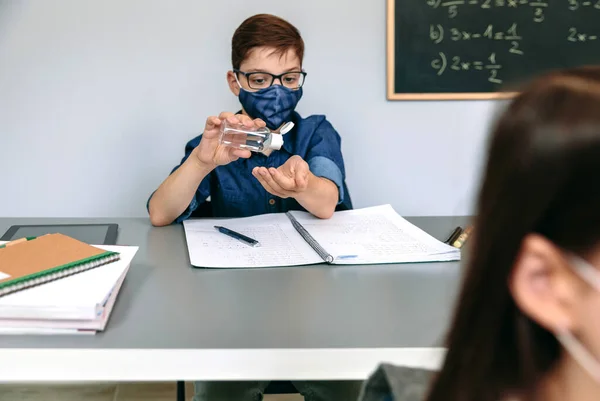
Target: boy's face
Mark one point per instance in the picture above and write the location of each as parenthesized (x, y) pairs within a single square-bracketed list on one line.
[(265, 59)]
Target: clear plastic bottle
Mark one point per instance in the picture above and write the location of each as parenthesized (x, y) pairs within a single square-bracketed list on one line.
[(252, 138)]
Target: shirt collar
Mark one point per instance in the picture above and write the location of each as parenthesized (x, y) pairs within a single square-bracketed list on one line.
[(289, 139)]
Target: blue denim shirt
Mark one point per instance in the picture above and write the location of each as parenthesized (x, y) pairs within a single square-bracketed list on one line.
[(235, 192)]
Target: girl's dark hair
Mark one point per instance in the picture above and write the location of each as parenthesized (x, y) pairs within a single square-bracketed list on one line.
[(542, 176)]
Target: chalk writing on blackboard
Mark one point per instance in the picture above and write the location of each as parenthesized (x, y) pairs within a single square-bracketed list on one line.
[(472, 49), (444, 62), (437, 34), (576, 36), (576, 4), (453, 6)]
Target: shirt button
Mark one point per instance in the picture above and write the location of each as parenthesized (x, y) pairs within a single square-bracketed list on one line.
[(271, 202)]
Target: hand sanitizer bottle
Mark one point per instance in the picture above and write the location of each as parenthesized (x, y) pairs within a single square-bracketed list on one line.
[(253, 139)]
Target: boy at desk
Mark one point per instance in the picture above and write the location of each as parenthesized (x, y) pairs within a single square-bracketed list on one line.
[(307, 173)]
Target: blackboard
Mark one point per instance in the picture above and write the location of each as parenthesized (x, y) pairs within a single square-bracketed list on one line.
[(474, 49)]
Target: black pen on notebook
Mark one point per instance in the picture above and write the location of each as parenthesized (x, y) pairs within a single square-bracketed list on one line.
[(238, 236)]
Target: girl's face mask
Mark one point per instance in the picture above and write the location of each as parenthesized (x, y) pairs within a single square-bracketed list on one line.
[(586, 359)]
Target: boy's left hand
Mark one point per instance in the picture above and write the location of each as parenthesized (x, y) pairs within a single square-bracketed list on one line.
[(287, 181)]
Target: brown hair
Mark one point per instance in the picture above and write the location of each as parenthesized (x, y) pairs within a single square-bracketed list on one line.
[(265, 30), (541, 177)]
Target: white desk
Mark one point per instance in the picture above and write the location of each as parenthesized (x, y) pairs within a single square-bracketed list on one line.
[(175, 322)]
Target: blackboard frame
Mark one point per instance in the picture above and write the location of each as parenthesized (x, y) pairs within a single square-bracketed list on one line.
[(391, 69)]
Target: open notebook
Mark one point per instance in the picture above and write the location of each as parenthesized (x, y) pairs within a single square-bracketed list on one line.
[(373, 235)]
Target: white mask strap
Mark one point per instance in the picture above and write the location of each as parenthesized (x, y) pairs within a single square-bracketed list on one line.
[(583, 357), (586, 271)]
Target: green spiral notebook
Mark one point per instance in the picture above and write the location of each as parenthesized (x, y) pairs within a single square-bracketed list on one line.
[(33, 261)]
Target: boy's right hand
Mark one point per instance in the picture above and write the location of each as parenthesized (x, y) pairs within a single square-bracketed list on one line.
[(210, 153)]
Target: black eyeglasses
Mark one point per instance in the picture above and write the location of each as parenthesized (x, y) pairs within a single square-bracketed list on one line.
[(261, 80)]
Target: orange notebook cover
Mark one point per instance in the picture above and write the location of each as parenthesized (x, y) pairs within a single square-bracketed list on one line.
[(46, 258)]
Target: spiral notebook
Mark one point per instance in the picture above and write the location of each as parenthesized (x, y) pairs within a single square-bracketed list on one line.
[(374, 235), (35, 261)]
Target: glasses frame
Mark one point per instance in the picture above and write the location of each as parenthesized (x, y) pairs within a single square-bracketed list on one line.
[(274, 77)]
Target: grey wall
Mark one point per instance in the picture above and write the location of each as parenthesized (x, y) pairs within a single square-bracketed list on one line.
[(97, 100)]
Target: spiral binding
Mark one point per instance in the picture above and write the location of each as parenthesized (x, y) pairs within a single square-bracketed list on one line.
[(309, 239), (59, 274)]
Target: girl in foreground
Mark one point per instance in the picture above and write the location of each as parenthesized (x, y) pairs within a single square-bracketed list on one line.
[(527, 323)]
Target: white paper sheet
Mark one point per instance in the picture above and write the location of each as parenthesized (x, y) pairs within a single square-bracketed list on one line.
[(281, 245), (375, 235), (22, 331)]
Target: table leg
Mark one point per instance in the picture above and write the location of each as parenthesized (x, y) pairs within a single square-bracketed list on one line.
[(180, 391)]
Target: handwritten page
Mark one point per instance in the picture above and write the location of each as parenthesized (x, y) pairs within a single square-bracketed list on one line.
[(281, 245), (375, 235)]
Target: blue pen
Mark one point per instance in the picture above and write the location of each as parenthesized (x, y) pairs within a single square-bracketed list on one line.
[(347, 256), (238, 236)]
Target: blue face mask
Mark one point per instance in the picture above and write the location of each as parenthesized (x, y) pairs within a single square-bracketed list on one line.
[(274, 105)]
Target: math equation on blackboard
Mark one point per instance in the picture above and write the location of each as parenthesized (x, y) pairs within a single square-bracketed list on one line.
[(490, 63), (454, 6)]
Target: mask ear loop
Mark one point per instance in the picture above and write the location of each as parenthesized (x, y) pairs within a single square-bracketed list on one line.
[(573, 346), (586, 271), (590, 364)]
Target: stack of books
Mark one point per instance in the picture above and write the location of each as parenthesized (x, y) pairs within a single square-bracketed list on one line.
[(55, 284)]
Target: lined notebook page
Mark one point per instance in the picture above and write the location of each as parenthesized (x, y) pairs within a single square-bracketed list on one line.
[(281, 245), (375, 235)]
